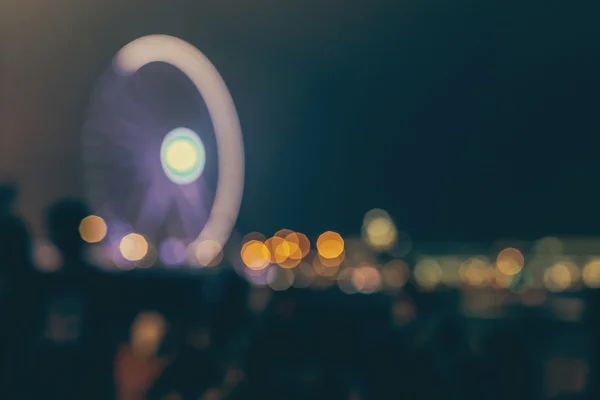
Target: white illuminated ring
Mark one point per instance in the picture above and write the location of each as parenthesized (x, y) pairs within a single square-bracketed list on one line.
[(189, 60)]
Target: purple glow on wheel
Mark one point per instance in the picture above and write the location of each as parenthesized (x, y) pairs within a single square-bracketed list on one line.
[(172, 252)]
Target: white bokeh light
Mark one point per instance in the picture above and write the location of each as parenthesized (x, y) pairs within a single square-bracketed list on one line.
[(182, 156)]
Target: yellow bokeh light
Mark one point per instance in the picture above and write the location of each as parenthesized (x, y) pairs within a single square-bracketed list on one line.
[(330, 244), (289, 263), (428, 273), (256, 255), (591, 273), (134, 247), (279, 249), (510, 261), (379, 231), (301, 242), (181, 155), (475, 272), (93, 229), (559, 277)]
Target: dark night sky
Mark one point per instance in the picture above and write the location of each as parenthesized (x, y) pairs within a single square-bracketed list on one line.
[(467, 120)]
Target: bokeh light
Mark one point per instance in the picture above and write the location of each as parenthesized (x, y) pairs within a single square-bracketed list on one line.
[(328, 270), (395, 274), (279, 278), (134, 247), (379, 231), (301, 242), (93, 229), (475, 271), (330, 244), (591, 273), (510, 261), (366, 279), (256, 255), (278, 248), (560, 276), (428, 273)]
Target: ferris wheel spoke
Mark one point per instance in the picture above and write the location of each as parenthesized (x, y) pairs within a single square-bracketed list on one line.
[(153, 209)]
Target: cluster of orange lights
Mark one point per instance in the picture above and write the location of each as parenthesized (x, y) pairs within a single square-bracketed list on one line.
[(286, 248)]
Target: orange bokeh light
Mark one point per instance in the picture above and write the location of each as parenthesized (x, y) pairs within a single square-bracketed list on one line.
[(256, 255), (330, 245), (301, 242)]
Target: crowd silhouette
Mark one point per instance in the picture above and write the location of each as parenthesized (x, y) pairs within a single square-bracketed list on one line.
[(70, 335)]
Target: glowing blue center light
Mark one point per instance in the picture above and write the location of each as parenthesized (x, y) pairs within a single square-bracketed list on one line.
[(182, 156)]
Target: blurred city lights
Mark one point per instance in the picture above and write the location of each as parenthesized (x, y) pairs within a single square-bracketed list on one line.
[(450, 269), (256, 255), (560, 276), (330, 244), (301, 242), (93, 229), (134, 247), (379, 230), (475, 271), (428, 273), (510, 261), (321, 269), (366, 279), (290, 263), (395, 274), (278, 248), (279, 279), (591, 273)]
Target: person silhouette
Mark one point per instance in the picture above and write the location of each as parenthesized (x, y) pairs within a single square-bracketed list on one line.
[(72, 309), (18, 298)]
